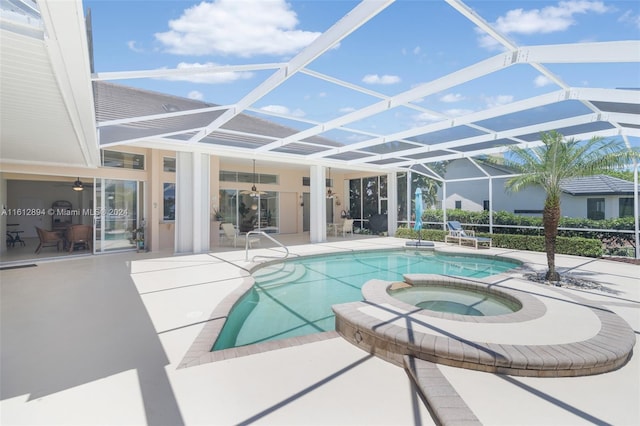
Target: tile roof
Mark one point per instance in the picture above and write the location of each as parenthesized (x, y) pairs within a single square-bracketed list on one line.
[(597, 185)]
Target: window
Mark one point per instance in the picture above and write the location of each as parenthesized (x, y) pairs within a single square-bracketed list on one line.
[(227, 176), (458, 205), (306, 181), (595, 208), (122, 160), (625, 207), (169, 164), (367, 198), (248, 213), (485, 205), (169, 207)]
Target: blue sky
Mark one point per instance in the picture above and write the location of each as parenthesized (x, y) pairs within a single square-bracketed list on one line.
[(409, 43)]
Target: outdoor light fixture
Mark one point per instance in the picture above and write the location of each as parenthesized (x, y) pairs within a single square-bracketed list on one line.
[(254, 193), (77, 185), (329, 191)]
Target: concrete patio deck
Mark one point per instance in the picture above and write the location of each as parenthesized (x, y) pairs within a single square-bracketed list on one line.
[(99, 339)]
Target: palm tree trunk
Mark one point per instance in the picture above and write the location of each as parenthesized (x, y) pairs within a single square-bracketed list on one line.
[(550, 219)]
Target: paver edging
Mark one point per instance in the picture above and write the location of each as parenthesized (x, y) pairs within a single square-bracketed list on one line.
[(392, 342)]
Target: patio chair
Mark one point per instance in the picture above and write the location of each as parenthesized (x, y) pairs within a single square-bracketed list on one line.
[(457, 233), (79, 236), (346, 228), (48, 239), (231, 234)]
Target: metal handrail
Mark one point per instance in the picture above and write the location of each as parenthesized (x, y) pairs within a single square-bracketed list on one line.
[(246, 246)]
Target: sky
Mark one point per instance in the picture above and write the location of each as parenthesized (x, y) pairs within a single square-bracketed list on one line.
[(407, 44)]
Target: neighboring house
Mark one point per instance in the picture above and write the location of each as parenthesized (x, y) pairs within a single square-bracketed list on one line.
[(593, 197), (597, 197)]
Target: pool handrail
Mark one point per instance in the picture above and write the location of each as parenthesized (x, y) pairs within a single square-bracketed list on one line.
[(246, 247)]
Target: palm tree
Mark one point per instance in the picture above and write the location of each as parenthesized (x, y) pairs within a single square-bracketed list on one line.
[(556, 160)]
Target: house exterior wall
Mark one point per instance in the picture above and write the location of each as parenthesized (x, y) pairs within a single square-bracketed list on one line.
[(472, 193), (159, 233)]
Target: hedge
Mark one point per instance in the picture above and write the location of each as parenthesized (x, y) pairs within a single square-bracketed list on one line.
[(577, 246), (479, 221)]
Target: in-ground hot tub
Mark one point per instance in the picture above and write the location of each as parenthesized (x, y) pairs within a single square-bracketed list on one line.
[(461, 300), (525, 342)]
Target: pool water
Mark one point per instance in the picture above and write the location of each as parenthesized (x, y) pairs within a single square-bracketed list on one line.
[(460, 301), (294, 298)]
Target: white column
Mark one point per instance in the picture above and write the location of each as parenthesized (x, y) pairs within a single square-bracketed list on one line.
[(490, 205), (444, 207), (192, 202), (392, 203), (3, 216), (318, 208), (410, 197), (636, 214)]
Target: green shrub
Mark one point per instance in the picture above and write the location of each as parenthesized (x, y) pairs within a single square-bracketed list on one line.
[(425, 234), (564, 245), (479, 222), (577, 246)]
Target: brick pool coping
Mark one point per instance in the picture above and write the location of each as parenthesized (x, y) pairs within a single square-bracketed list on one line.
[(608, 350)]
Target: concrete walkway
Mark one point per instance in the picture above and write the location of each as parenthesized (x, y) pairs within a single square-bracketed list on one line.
[(98, 340)]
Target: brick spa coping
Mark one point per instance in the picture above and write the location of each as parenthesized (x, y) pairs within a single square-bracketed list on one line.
[(608, 350)]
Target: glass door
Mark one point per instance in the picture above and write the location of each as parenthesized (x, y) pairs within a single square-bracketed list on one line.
[(117, 214)]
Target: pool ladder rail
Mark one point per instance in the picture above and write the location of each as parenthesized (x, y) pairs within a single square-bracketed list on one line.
[(247, 246)]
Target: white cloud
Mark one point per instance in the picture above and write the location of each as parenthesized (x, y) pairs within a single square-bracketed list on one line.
[(541, 81), (548, 19), (425, 118), (236, 28), (376, 79), (416, 50), (495, 101), (457, 112), (194, 94), (133, 45), (354, 137), (322, 94), (539, 21), (346, 110), (208, 78), (452, 97), (281, 109), (630, 17)]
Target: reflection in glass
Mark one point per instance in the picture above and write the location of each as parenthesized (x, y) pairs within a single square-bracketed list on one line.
[(249, 213), (117, 214)]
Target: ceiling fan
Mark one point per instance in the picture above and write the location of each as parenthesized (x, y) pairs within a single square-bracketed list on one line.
[(78, 185), (253, 193)]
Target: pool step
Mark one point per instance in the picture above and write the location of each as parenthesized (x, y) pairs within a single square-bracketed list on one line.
[(284, 274)]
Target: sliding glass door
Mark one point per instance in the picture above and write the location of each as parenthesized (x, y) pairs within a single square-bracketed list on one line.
[(249, 213), (117, 214)]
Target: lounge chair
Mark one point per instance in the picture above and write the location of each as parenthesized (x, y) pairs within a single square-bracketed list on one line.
[(457, 233), (231, 234)]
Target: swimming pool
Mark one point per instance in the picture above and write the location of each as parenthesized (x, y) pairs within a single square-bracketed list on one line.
[(294, 298)]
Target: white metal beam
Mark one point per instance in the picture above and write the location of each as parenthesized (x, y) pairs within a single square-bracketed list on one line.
[(522, 105), (353, 20), (608, 51), (66, 41), (453, 79), (177, 72)]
